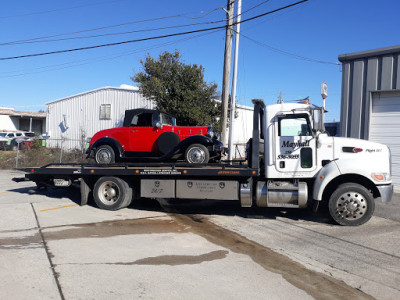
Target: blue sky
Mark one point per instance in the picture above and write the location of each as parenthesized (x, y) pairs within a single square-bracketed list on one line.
[(318, 30)]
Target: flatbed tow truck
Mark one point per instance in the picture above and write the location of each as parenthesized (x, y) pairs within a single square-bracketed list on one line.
[(291, 163)]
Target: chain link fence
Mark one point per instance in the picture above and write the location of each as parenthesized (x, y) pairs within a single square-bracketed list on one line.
[(37, 152)]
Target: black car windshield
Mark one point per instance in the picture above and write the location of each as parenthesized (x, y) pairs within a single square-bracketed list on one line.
[(167, 120)]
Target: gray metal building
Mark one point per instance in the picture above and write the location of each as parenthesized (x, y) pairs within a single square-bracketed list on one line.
[(370, 107)]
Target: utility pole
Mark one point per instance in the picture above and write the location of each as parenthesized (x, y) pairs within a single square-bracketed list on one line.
[(227, 69), (234, 78)]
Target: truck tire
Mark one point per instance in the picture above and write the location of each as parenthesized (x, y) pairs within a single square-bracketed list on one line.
[(351, 204), (197, 154), (112, 193), (104, 155)]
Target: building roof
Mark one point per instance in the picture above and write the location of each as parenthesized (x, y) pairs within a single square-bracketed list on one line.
[(369, 53), (123, 87), (16, 113)]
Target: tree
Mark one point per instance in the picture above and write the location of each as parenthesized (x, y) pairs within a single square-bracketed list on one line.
[(178, 89)]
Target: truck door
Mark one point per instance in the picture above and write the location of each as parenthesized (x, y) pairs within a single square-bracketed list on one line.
[(295, 149)]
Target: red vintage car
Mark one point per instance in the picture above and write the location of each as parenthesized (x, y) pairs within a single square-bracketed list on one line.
[(151, 135)]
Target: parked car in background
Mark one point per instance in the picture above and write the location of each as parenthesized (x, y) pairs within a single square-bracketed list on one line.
[(10, 140), (151, 135)]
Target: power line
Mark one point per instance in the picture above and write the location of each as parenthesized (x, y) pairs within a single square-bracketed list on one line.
[(288, 53), (258, 5), (110, 34), (60, 9), (103, 27), (149, 38), (90, 61), (89, 30)]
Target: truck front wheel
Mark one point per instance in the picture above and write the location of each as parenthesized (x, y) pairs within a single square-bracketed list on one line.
[(112, 193), (351, 204)]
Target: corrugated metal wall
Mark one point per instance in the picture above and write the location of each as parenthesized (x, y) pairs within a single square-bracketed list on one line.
[(363, 73), (82, 115)]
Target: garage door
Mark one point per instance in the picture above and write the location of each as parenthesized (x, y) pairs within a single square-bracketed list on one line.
[(385, 127)]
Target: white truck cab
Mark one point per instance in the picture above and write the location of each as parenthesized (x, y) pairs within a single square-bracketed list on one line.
[(301, 162)]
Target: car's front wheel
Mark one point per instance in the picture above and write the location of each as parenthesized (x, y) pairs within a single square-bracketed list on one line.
[(197, 154), (104, 155)]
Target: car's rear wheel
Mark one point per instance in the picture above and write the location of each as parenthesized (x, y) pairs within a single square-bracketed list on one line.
[(197, 154), (104, 155)]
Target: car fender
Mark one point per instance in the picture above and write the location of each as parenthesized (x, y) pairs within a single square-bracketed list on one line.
[(194, 139), (113, 143)]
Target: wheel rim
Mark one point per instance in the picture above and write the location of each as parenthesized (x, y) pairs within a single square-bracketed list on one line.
[(103, 156), (109, 193), (196, 155), (351, 206)]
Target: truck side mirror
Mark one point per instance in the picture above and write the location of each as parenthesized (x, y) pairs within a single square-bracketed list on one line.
[(159, 125)]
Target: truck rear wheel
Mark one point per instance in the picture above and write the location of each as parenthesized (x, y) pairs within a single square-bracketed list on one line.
[(112, 193), (351, 204)]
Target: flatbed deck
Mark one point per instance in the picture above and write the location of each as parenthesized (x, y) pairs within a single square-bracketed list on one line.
[(143, 169)]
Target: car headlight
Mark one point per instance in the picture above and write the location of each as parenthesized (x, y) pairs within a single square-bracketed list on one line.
[(210, 131), (87, 143)]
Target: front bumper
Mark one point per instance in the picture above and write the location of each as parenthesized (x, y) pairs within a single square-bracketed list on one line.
[(386, 192)]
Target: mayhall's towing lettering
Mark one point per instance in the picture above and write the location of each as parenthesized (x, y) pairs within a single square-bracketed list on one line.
[(288, 144), (311, 167)]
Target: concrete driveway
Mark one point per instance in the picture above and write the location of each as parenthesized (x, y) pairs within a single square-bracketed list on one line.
[(51, 248)]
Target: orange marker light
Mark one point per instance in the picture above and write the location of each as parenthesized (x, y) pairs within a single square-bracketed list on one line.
[(379, 177), (91, 171)]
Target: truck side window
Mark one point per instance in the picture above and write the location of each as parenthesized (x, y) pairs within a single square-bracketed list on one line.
[(306, 158), (294, 125)]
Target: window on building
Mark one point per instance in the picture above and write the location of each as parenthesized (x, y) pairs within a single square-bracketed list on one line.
[(105, 111)]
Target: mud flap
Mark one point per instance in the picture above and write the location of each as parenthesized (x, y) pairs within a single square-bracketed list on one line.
[(85, 191)]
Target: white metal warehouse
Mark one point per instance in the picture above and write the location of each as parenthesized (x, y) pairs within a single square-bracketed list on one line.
[(371, 99), (72, 119)]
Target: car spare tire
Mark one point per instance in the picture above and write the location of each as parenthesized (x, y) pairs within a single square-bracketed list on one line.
[(167, 141)]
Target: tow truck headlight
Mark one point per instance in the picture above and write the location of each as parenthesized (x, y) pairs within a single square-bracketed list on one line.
[(381, 176)]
